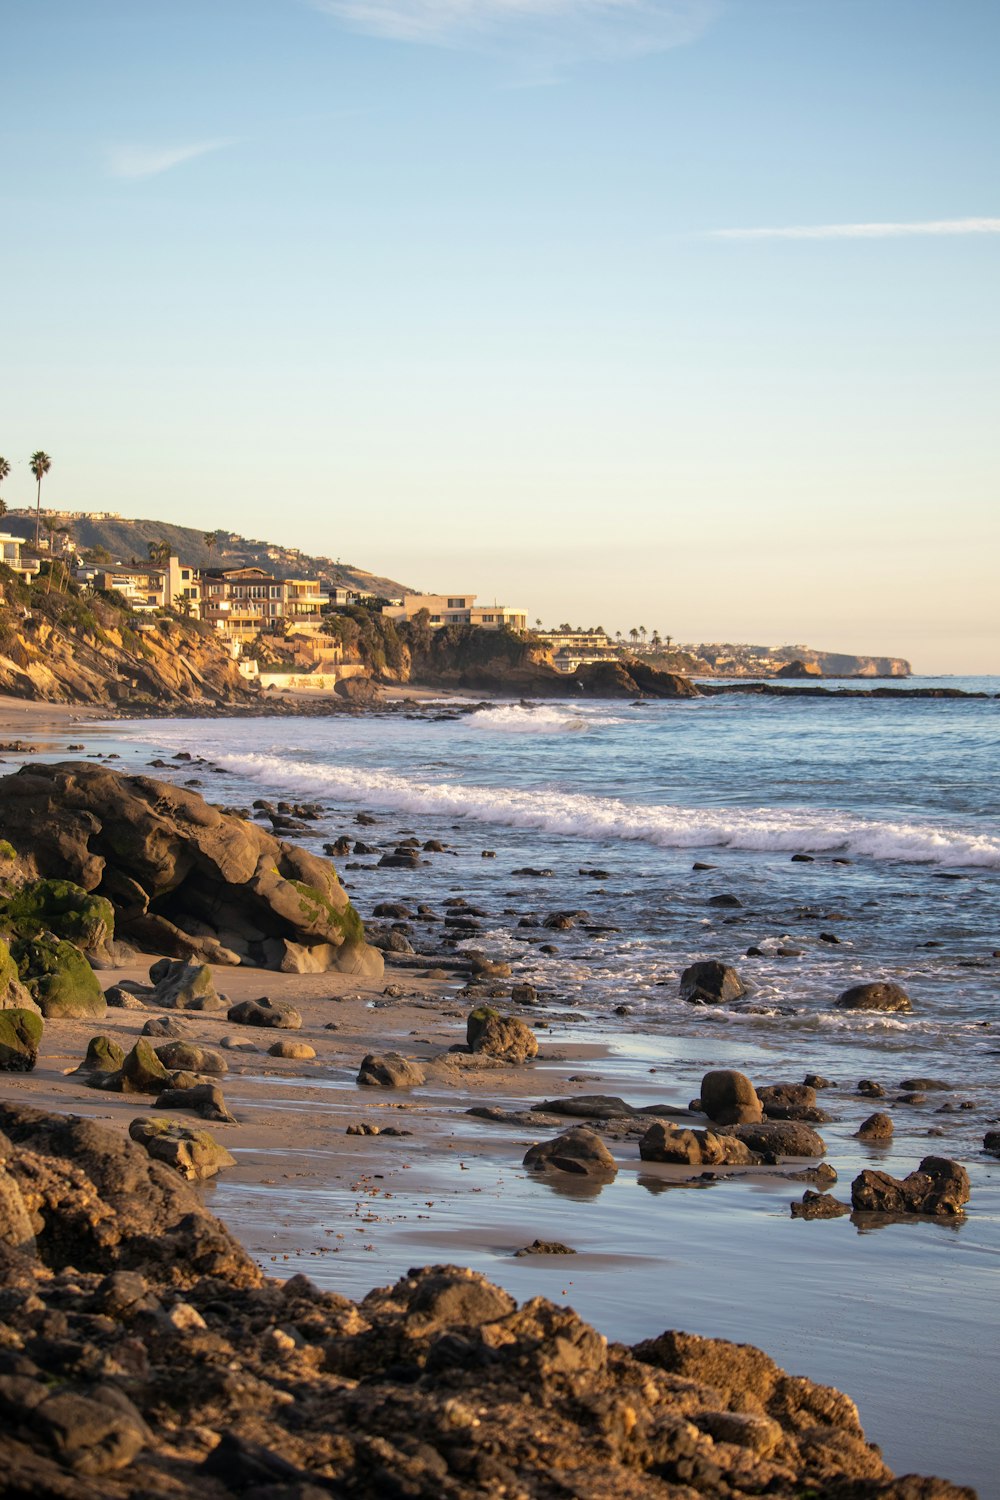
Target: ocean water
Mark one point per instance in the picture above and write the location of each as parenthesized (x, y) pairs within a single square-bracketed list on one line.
[(895, 801)]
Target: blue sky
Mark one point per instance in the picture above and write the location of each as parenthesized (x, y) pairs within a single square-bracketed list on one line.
[(449, 288)]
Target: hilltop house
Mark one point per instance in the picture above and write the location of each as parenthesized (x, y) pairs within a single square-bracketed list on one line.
[(457, 609)]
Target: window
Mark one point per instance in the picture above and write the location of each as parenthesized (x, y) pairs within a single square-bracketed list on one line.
[(456, 603), (435, 619), (488, 619)]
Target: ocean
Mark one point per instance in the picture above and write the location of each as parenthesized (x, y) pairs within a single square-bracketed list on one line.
[(894, 804)]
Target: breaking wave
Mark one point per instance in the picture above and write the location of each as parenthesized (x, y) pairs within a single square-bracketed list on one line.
[(513, 718), (792, 830)]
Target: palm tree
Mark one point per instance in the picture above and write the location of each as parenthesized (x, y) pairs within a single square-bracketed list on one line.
[(642, 632), (159, 553), (4, 471), (182, 604), (40, 463), (655, 641), (634, 634), (212, 540), (51, 527)]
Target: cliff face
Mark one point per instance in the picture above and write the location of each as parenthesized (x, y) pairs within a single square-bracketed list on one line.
[(68, 648)]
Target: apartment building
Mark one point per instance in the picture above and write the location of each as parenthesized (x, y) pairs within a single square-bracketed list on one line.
[(243, 602)]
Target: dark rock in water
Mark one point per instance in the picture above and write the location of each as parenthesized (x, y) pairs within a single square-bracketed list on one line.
[(877, 1127), (817, 1081), (829, 937), (360, 847), (204, 1099), (338, 848), (819, 1206), (694, 1148), (595, 874), (184, 986), (20, 1038), (545, 1247), (803, 859), (505, 1037), (911, 1099), (710, 982), (991, 1142), (791, 1101), (530, 871), (588, 1107), (579, 1151), (104, 1055), (394, 910), (754, 952), (938, 1186), (400, 859), (700, 864), (822, 1175), (193, 1153), (390, 1071), (782, 1137), (924, 1085), (870, 1088), (879, 995), (265, 1012), (725, 899), (524, 994), (729, 1098), (437, 1387)]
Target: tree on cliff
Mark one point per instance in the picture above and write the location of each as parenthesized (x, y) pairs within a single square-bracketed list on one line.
[(4, 471), (40, 464), (159, 553), (212, 540)]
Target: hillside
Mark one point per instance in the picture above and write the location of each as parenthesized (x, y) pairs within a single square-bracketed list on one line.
[(125, 539)]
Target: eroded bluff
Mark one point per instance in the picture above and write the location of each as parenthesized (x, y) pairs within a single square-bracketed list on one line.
[(184, 878), (143, 1355)]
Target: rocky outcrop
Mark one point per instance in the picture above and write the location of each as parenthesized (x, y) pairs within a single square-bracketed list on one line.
[(938, 1186), (578, 1152), (504, 1037), (710, 982), (182, 877), (881, 994), (146, 1357)]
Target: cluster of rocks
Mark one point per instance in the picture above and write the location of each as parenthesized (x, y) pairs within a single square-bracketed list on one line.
[(144, 1354), (176, 875), (712, 982)]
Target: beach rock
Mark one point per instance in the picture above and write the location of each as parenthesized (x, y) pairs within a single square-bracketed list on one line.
[(59, 978), (204, 1099), (924, 1085), (264, 1012), (195, 1154), (295, 1051), (187, 1057), (726, 898), (881, 994), (400, 858), (99, 1204), (13, 994), (360, 960), (579, 1151), (938, 1186), (506, 1037), (729, 1098), (779, 1137), (104, 1055), (544, 1247), (710, 982), (141, 1072), (165, 1026), (173, 867), (694, 1148), (486, 968), (791, 1101), (877, 1127), (184, 986), (817, 1081), (20, 1039), (870, 1088), (587, 1107), (991, 1142), (118, 997), (819, 1206), (390, 1071)]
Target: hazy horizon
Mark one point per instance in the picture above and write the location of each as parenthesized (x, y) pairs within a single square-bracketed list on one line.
[(672, 312)]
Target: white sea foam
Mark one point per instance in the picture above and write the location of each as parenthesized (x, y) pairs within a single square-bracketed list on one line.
[(670, 827), (513, 718)]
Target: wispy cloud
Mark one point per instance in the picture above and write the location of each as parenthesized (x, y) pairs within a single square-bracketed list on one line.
[(564, 30), (875, 231), (149, 161)]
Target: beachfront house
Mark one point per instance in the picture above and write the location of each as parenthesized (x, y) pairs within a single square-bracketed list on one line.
[(244, 602), (457, 609), (10, 556)]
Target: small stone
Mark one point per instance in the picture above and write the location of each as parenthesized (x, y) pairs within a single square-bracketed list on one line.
[(877, 1127)]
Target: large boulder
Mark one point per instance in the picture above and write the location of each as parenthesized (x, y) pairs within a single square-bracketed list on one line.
[(204, 1099), (579, 1152), (187, 1057), (710, 982), (64, 910), (20, 1039), (184, 986), (13, 994), (104, 1055), (60, 979), (264, 1012), (729, 1098), (694, 1148), (938, 1186), (505, 1037), (207, 881), (791, 1101), (778, 1138), (881, 994), (98, 1203), (193, 1153), (389, 1070)]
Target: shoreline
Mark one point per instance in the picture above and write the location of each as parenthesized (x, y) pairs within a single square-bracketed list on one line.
[(306, 1215)]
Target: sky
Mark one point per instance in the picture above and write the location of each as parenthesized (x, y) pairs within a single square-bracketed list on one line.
[(675, 313)]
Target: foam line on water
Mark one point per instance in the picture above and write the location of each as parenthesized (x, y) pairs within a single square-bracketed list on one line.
[(512, 718), (670, 827)]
